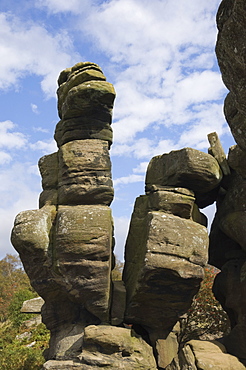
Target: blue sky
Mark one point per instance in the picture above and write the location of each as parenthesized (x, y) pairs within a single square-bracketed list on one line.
[(159, 55)]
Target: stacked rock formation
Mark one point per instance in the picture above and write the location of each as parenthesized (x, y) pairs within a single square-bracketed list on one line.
[(167, 245), (66, 245), (228, 234)]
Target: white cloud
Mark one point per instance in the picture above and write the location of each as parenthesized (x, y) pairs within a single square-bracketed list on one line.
[(46, 147), (11, 140), (57, 6), (141, 168), (128, 179), (34, 108), (160, 52), (29, 49), (40, 129), (5, 158)]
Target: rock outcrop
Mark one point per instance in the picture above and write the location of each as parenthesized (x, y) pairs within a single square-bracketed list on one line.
[(227, 240), (66, 246)]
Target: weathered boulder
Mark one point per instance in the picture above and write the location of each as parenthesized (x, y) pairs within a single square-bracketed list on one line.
[(188, 168), (116, 348), (212, 355), (204, 355), (33, 305), (85, 173), (163, 253)]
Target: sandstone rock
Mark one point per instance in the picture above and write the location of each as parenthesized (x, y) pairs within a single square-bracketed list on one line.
[(237, 160), (91, 98), (211, 355), (83, 255), (175, 201), (33, 305), (217, 151), (85, 173), (166, 347), (83, 128), (48, 167), (158, 263), (116, 348), (63, 365), (31, 238), (187, 168), (236, 120), (76, 78), (230, 53), (48, 197)]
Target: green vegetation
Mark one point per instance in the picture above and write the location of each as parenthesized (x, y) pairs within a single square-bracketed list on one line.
[(206, 319), (21, 345)]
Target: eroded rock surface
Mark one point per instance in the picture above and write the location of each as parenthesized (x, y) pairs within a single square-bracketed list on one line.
[(66, 246), (227, 239)]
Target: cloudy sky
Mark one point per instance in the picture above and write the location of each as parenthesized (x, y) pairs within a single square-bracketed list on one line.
[(159, 55)]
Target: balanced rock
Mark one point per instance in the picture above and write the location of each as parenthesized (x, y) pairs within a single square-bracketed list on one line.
[(188, 168)]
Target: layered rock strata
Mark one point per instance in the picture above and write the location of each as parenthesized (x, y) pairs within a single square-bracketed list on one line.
[(66, 245), (167, 245), (227, 239)]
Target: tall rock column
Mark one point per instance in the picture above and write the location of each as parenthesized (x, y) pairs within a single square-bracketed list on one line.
[(167, 245), (66, 245), (228, 234)]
